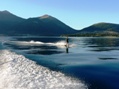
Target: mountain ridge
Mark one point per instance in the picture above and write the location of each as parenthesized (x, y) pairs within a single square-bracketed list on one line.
[(43, 25), (7, 21), (6, 15), (47, 25), (99, 29), (102, 26)]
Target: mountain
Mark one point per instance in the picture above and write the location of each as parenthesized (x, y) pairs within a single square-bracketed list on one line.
[(45, 25), (7, 20), (6, 16), (101, 27)]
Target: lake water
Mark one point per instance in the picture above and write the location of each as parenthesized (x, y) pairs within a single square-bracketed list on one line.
[(95, 61)]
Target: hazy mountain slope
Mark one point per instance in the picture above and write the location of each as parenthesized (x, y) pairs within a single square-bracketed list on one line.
[(11, 24), (7, 20), (101, 27), (44, 25)]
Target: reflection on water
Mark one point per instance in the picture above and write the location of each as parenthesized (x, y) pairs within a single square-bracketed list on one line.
[(44, 52), (108, 58), (102, 44), (56, 45), (42, 46), (67, 49)]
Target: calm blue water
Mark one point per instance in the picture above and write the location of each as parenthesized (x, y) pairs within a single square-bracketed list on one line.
[(95, 61)]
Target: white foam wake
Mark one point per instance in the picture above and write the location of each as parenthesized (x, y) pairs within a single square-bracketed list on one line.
[(18, 72), (60, 44)]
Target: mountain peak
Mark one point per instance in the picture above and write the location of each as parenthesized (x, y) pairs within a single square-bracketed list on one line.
[(45, 25), (101, 27), (104, 23), (6, 15), (45, 16), (5, 11)]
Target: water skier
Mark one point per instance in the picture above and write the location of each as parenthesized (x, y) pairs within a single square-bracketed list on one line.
[(67, 42)]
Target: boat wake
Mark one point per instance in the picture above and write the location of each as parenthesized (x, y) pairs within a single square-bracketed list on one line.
[(60, 44), (18, 72)]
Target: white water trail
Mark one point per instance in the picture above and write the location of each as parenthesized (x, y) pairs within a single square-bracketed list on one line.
[(60, 44), (18, 72)]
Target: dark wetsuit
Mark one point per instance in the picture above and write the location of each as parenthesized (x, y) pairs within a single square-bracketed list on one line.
[(67, 40), (67, 45)]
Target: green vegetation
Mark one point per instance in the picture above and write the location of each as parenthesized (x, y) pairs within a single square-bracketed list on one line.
[(91, 35), (98, 30), (101, 27)]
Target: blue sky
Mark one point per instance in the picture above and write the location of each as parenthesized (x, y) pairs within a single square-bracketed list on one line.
[(75, 13)]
